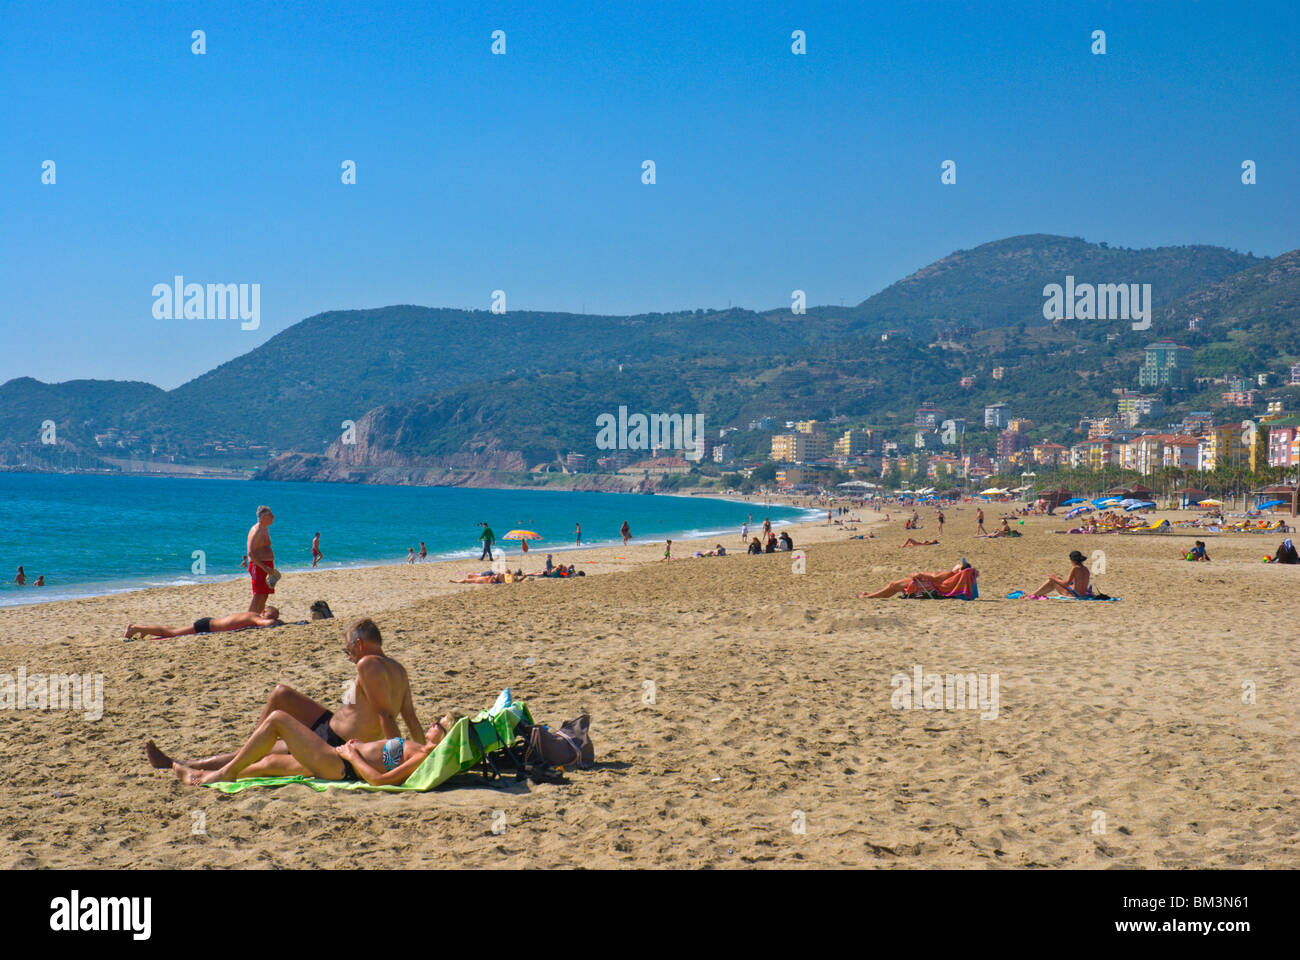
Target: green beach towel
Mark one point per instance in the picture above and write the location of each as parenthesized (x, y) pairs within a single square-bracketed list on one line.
[(455, 754)]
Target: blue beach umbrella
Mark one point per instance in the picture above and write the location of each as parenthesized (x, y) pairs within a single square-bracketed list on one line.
[(1066, 503), (1270, 504)]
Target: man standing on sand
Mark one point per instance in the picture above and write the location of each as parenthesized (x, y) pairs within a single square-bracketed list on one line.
[(979, 521), (316, 555), (379, 694), (626, 533), (577, 532), (261, 559), (488, 538)]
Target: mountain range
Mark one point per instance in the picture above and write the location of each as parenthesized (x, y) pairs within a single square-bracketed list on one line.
[(442, 391)]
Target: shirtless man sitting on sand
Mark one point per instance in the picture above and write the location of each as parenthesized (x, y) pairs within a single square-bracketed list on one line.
[(379, 694), (233, 621)]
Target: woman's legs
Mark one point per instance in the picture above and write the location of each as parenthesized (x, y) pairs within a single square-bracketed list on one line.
[(1052, 583), (898, 586), (309, 750)]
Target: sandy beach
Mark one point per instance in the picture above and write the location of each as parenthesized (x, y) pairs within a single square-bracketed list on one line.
[(741, 712)]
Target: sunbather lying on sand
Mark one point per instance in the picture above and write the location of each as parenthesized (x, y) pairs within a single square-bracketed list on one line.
[(235, 621), (488, 577), (923, 583), (911, 542), (378, 762)]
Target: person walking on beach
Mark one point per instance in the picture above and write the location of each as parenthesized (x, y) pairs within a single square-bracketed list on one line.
[(626, 532), (488, 538), (744, 532), (21, 579), (423, 552), (261, 559), (767, 527), (577, 533), (979, 521), (940, 521), (668, 550), (316, 555)]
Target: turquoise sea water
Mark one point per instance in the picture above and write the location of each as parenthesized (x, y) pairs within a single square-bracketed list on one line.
[(92, 535)]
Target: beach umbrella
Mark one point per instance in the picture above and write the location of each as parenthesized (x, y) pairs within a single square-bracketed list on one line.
[(1102, 501), (524, 536), (1066, 503), (1138, 505), (1269, 505), (990, 492), (1212, 502)]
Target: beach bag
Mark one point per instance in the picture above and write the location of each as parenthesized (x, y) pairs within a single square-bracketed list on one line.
[(570, 746)]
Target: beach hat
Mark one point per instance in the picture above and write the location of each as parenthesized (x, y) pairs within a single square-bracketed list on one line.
[(1077, 557)]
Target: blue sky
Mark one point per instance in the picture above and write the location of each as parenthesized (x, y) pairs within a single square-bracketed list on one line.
[(523, 172)]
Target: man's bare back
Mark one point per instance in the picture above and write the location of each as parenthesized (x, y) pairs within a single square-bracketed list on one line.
[(381, 687)]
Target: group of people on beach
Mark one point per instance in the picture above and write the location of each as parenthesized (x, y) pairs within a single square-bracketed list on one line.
[(361, 740)]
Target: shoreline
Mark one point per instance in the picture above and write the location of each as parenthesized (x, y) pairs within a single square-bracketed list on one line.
[(111, 588), (603, 555)]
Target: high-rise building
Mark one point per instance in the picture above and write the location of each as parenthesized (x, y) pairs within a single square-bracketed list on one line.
[(1167, 364), (996, 416)]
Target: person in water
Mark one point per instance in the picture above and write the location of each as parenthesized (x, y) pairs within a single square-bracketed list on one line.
[(377, 762), (235, 621)]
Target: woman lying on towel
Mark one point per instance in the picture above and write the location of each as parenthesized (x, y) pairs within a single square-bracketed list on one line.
[(957, 582), (378, 763)]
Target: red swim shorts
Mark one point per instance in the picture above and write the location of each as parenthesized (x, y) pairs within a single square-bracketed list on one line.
[(259, 580)]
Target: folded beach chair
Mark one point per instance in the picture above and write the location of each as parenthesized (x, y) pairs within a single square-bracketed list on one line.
[(467, 745)]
